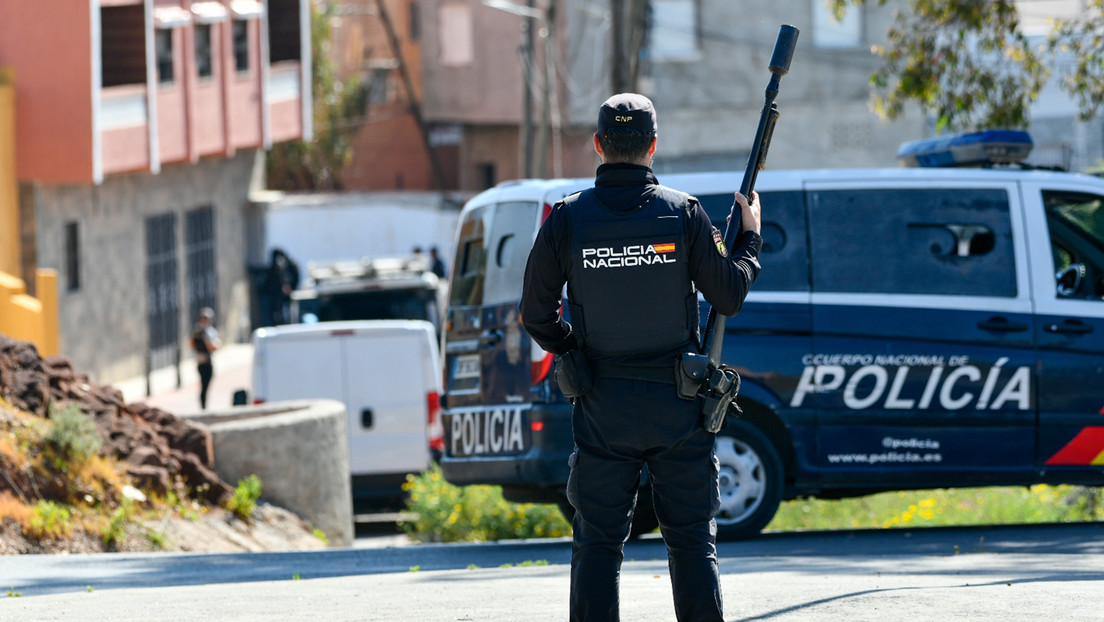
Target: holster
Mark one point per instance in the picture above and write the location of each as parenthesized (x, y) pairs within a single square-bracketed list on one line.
[(690, 373), (572, 374), (718, 395)]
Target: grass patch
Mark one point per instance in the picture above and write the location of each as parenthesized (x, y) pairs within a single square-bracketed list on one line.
[(944, 507), (245, 497), (49, 520), (447, 513)]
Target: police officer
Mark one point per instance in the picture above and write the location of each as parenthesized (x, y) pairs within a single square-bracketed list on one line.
[(633, 254)]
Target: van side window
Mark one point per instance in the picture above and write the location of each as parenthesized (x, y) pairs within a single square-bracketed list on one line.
[(468, 265), (954, 241), (1076, 226), (507, 250), (785, 256)]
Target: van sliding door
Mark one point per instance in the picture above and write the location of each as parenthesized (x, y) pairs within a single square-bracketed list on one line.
[(922, 365)]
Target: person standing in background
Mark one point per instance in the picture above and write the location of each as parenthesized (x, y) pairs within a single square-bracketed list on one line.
[(205, 340), (437, 265)]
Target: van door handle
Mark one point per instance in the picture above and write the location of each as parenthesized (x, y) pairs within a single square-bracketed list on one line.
[(1002, 325), (366, 418), (490, 337), (1071, 327)]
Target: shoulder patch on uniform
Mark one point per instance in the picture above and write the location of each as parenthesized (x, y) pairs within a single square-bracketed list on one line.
[(718, 240)]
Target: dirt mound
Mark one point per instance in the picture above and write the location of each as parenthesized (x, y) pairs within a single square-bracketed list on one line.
[(156, 446)]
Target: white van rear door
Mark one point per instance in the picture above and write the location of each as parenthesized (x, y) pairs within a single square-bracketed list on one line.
[(301, 367), (386, 402)]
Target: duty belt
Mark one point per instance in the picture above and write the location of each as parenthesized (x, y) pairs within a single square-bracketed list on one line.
[(665, 375)]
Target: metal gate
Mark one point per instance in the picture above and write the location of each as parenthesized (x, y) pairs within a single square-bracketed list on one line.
[(163, 314), (199, 249)]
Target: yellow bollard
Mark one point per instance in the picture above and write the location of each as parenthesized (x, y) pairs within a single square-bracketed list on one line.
[(46, 285)]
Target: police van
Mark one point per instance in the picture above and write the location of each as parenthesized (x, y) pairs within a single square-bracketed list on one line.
[(929, 326), (379, 288)]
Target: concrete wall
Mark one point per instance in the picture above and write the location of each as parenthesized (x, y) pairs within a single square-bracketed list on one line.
[(300, 453), (104, 328), (709, 108)]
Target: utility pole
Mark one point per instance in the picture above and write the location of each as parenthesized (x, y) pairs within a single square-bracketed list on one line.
[(412, 97), (527, 58), (618, 75), (628, 28)]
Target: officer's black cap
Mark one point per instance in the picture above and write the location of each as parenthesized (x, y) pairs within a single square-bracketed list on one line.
[(627, 110)]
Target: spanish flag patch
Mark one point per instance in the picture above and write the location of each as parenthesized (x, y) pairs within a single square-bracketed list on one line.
[(664, 248)]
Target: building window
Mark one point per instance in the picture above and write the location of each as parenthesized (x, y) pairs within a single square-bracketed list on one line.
[(380, 86), (203, 50), (487, 175), (457, 46), (283, 31), (829, 32), (122, 45), (72, 256), (163, 305), (202, 272), (673, 30), (241, 46), (164, 44)]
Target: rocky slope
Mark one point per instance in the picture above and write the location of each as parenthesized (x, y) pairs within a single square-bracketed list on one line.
[(162, 463)]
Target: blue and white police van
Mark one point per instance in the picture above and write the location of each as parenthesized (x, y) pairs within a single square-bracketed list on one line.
[(919, 327)]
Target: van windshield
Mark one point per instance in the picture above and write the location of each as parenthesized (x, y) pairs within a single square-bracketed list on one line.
[(408, 304)]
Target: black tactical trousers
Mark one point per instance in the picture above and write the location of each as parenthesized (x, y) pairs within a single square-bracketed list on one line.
[(620, 426)]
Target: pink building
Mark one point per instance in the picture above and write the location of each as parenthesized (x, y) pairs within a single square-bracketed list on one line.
[(138, 128), (117, 86)]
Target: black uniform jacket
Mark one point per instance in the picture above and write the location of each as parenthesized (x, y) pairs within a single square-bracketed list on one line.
[(723, 281)]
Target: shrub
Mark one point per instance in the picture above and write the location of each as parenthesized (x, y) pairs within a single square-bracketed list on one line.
[(49, 520), (73, 434), (245, 497), (115, 531), (447, 513)]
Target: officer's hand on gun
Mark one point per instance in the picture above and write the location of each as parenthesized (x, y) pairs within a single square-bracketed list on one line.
[(749, 212)]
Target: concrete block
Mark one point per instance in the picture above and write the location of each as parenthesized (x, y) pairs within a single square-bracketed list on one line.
[(299, 450)]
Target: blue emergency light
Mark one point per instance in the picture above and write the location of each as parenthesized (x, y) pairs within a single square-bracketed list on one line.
[(974, 149)]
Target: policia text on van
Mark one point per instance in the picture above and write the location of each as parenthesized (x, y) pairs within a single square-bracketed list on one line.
[(966, 348)]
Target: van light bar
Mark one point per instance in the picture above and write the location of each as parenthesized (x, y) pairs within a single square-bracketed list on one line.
[(973, 149)]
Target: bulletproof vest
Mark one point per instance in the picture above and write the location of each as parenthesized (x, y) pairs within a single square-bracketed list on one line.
[(629, 288)]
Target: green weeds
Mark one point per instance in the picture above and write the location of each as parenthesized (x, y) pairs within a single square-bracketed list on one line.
[(245, 497), (447, 513), (932, 508)]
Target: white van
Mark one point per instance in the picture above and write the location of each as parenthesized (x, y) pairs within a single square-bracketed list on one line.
[(386, 372)]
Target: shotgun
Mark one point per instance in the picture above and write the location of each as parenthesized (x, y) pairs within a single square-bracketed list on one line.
[(720, 386)]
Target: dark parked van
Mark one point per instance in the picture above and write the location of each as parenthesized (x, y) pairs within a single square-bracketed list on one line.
[(911, 328)]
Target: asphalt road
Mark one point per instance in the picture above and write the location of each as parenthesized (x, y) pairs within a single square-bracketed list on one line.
[(1049, 572)]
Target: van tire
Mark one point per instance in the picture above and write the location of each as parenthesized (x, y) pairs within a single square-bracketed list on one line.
[(751, 480), (644, 518)]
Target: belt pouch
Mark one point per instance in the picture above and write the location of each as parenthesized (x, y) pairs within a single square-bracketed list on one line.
[(572, 374), (690, 373)]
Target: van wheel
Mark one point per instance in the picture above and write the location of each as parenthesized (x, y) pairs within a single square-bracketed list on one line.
[(750, 481), (644, 519)]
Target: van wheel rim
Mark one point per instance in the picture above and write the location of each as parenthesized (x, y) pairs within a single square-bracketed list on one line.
[(742, 480)]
